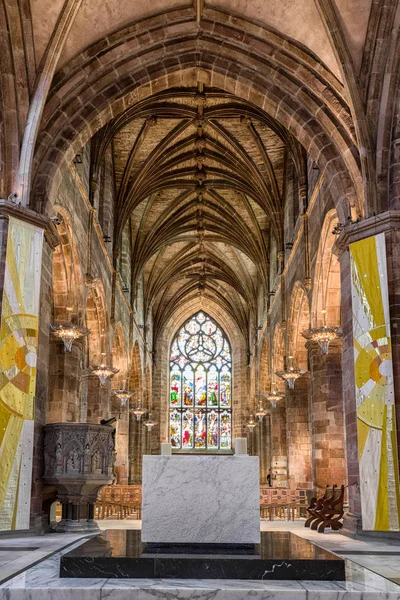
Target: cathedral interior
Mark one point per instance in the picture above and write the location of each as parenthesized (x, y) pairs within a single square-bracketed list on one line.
[(199, 216)]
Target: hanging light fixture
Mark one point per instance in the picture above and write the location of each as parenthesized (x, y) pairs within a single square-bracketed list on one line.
[(290, 375), (251, 423), (274, 397), (139, 411), (149, 422), (123, 396), (69, 332), (323, 336), (103, 371), (261, 412)]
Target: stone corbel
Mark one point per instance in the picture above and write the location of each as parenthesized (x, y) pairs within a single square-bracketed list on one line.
[(353, 232), (8, 208)]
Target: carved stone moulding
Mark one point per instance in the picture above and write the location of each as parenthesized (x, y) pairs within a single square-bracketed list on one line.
[(78, 462)]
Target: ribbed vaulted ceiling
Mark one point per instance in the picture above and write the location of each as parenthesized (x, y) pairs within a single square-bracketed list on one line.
[(199, 178)]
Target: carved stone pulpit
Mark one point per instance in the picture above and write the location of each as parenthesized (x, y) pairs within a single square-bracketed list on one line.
[(79, 460)]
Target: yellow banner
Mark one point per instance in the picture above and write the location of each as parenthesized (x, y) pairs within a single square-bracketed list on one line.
[(373, 372), (18, 355)]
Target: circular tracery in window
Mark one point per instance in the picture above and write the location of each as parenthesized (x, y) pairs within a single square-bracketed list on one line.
[(200, 386)]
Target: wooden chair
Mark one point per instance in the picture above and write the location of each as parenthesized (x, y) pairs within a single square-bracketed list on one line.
[(316, 504), (332, 512), (327, 511)]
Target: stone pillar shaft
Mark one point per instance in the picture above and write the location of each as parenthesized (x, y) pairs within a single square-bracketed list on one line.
[(279, 447), (122, 446), (64, 383), (327, 417), (298, 435), (98, 399), (135, 450)]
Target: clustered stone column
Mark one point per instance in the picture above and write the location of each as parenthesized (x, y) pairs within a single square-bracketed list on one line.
[(279, 445), (122, 446), (327, 417), (98, 399), (263, 437), (135, 450), (64, 383), (298, 435)]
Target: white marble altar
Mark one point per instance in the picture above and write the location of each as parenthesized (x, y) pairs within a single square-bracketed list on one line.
[(201, 499)]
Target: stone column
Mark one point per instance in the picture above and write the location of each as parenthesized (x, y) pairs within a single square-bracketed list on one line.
[(252, 442), (122, 445), (393, 271), (263, 434), (298, 435), (327, 416), (353, 518), (65, 370), (278, 445), (98, 399), (23, 252), (389, 224), (135, 450)]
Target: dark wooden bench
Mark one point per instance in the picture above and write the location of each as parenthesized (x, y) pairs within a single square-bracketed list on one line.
[(326, 511)]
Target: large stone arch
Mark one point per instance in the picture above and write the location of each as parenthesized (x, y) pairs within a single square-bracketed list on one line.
[(278, 358), (119, 357), (67, 277), (326, 294), (264, 368), (65, 368), (97, 322), (299, 321), (98, 352), (299, 93)]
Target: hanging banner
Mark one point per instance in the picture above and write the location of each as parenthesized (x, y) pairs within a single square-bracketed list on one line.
[(18, 354), (373, 372)]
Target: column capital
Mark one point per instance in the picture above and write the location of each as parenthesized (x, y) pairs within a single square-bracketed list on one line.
[(8, 209), (386, 221)]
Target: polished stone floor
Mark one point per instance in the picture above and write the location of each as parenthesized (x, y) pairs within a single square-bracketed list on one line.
[(42, 581)]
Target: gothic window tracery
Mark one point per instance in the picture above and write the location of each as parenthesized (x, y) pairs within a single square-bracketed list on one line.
[(201, 387)]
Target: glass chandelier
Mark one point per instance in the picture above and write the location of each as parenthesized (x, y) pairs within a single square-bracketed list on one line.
[(103, 371), (261, 412), (69, 332), (274, 397), (149, 422), (123, 396), (139, 411), (251, 423), (290, 375), (323, 336)]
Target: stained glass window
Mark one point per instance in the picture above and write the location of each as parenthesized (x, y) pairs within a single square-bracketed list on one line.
[(201, 387)]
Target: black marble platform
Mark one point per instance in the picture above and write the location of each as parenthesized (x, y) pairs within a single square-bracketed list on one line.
[(120, 554)]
